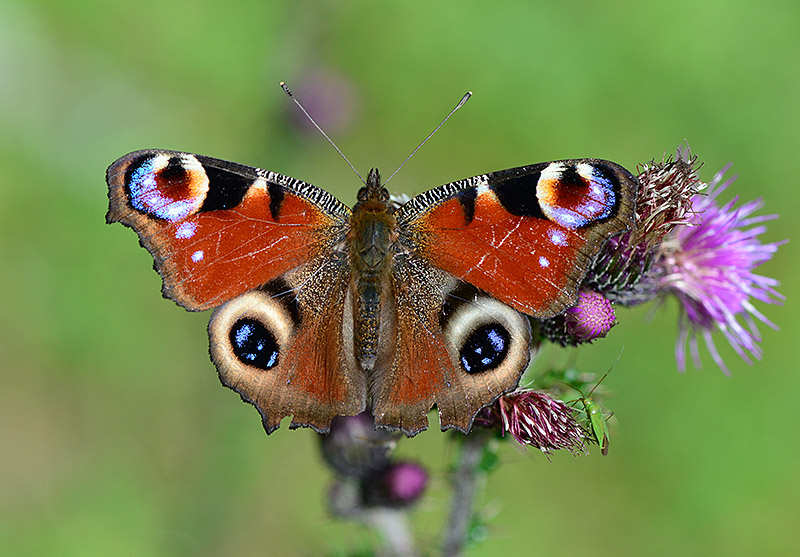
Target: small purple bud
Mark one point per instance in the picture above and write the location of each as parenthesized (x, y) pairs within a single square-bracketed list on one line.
[(405, 481), (592, 317), (399, 484)]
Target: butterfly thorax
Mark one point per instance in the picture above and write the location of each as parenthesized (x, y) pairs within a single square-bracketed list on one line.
[(372, 235)]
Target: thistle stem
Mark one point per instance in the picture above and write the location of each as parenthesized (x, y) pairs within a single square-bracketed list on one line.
[(392, 526), (464, 483)]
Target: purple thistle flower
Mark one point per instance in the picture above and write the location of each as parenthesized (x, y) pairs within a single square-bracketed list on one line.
[(686, 245), (707, 264), (663, 201), (535, 419)]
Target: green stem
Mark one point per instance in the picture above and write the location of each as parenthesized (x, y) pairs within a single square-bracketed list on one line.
[(392, 525), (464, 490)]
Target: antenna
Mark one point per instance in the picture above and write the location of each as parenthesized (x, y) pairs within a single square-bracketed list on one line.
[(463, 100), (286, 90)]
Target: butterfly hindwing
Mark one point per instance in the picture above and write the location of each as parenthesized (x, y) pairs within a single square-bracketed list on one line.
[(217, 229), (280, 347), (455, 347), (525, 235)]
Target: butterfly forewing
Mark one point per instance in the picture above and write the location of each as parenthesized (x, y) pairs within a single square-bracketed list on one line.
[(525, 235), (217, 229)]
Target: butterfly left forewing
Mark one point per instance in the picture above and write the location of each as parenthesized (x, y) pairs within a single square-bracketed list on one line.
[(215, 228)]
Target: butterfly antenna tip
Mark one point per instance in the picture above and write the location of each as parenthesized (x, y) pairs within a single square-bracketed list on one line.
[(325, 135), (463, 100)]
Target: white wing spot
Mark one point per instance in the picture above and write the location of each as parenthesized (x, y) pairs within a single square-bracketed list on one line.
[(260, 184), (186, 230), (585, 171), (553, 171), (557, 238), (544, 262), (198, 256)]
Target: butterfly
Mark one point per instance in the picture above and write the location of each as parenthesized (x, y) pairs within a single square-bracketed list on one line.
[(321, 310)]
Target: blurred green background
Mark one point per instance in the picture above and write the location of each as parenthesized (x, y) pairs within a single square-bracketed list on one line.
[(117, 438)]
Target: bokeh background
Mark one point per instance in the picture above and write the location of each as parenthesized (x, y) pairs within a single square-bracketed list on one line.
[(115, 435)]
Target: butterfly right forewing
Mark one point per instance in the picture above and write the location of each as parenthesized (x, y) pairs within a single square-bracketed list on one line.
[(524, 235)]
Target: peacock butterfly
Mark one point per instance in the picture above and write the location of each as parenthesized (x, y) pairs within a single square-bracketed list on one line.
[(322, 311)]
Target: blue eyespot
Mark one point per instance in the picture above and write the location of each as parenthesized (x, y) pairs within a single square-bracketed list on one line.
[(166, 187), (254, 344), (485, 348), (575, 196)]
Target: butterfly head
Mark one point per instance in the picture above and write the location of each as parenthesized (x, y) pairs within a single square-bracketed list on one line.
[(373, 196)]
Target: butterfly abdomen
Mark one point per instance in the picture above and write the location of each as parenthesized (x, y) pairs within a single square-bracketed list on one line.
[(372, 235)]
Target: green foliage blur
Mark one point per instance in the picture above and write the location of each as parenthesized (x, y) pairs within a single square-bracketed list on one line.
[(117, 438)]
